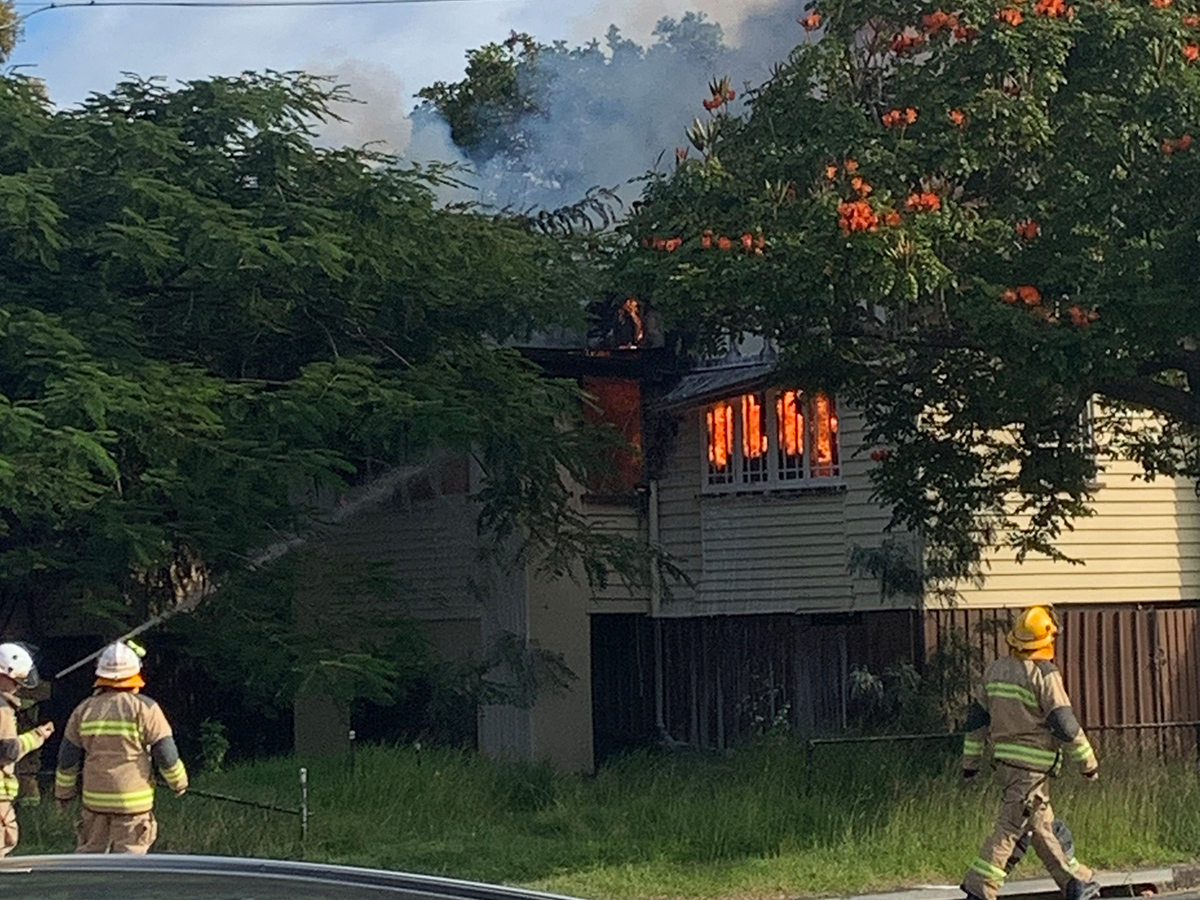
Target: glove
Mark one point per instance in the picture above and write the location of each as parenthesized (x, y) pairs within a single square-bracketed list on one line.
[(1091, 774), (969, 774), (45, 730)]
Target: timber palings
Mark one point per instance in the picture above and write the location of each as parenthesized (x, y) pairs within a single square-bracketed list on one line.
[(1123, 665)]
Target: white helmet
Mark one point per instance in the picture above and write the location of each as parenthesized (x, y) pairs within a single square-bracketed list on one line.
[(17, 664), (118, 660)]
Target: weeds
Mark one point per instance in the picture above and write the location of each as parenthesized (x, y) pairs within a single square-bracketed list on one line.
[(755, 823)]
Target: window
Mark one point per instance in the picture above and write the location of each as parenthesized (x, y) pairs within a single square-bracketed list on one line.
[(769, 440)]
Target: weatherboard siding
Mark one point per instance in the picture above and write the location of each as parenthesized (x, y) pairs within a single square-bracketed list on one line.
[(772, 552), (1141, 546)]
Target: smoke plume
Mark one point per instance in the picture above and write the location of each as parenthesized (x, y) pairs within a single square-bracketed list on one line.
[(604, 118)]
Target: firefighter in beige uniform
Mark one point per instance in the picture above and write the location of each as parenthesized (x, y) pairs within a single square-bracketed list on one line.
[(1025, 711), (16, 670), (114, 734)]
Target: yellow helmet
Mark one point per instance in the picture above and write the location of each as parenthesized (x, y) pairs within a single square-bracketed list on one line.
[(1035, 629)]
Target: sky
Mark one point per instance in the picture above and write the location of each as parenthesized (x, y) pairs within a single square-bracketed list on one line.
[(385, 53), (77, 51)]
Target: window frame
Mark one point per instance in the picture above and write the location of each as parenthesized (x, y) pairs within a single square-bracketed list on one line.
[(739, 482)]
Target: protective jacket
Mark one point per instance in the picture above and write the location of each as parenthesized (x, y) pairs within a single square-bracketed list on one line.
[(13, 746), (1023, 708), (114, 734)]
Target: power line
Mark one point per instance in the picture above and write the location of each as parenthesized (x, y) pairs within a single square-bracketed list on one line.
[(214, 4)]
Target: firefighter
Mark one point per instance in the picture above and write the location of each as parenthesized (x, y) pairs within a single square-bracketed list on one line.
[(16, 671), (29, 792), (1025, 712), (114, 734)]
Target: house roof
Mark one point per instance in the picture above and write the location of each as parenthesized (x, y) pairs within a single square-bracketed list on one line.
[(711, 384)]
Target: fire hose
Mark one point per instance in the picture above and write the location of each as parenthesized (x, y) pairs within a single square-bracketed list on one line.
[(374, 493)]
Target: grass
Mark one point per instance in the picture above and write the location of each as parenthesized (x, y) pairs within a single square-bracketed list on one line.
[(753, 824)]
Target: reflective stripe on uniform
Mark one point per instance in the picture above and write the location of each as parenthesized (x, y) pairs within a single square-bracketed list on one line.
[(1080, 752), (988, 871), (175, 774), (121, 801), (64, 779), (972, 748), (9, 787), (1012, 691), (111, 727), (1022, 754), (1072, 865), (27, 741)]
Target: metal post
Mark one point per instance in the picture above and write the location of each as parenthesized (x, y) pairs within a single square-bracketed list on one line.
[(809, 751), (303, 809), (352, 737)]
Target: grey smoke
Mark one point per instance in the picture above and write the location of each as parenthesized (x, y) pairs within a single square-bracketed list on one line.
[(600, 124)]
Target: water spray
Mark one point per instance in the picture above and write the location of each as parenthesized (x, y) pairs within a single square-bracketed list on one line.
[(197, 586)]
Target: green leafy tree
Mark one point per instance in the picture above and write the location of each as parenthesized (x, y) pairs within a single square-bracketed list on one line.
[(970, 220), (204, 316)]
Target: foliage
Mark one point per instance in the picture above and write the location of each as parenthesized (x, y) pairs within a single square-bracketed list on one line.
[(969, 221), (213, 746), (10, 29), (546, 123), (762, 821), (206, 321)]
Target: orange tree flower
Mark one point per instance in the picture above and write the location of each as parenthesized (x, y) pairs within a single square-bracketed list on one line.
[(860, 185), (812, 21), (959, 118), (1160, 4), (1191, 52), (1010, 296), (1052, 8), (1028, 229), (939, 20), (1010, 15), (831, 172), (851, 166), (856, 215), (891, 218), (923, 202), (907, 40), (1029, 295), (966, 33), (724, 243), (1191, 21)]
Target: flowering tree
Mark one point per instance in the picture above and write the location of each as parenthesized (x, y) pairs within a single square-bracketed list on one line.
[(970, 220)]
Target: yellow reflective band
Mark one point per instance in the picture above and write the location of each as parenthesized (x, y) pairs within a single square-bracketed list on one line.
[(27, 741), (1080, 752), (64, 779), (1012, 692), (118, 802), (9, 787), (1018, 753), (1072, 865), (988, 871), (972, 748), (110, 727), (175, 773)]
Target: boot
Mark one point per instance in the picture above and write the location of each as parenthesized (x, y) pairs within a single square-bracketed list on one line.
[(1081, 890)]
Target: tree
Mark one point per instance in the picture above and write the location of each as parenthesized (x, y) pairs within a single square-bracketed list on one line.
[(545, 123), (10, 30), (204, 316), (970, 220)]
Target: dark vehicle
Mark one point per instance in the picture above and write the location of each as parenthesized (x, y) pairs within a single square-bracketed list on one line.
[(182, 877)]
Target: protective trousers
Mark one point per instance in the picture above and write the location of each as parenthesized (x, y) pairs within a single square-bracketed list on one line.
[(8, 827), (111, 832), (1024, 806)]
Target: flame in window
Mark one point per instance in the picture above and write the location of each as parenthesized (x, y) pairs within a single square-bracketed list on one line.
[(720, 435), (825, 426), (788, 413), (754, 435)]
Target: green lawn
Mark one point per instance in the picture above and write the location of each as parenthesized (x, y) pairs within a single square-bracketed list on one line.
[(748, 824)]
